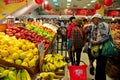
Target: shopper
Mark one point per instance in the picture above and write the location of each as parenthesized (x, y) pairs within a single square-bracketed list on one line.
[(98, 35), (69, 29), (76, 42)]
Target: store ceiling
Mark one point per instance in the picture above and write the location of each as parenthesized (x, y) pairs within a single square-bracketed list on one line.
[(80, 4)]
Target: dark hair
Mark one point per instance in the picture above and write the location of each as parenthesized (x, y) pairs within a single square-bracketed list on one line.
[(71, 18), (85, 20), (30, 19)]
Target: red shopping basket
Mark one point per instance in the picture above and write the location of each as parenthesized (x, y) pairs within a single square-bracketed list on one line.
[(78, 72)]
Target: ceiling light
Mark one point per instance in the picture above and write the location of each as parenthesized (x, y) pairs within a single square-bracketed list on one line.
[(118, 8), (92, 1), (84, 7), (46, 2), (88, 4), (69, 0), (68, 4), (56, 4), (55, 0)]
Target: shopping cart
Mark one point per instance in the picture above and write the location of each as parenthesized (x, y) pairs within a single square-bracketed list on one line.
[(78, 72)]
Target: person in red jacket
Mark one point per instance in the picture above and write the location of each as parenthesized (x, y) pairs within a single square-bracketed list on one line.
[(69, 30)]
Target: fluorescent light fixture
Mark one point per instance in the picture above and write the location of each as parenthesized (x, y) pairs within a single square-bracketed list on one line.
[(93, 1), (68, 4), (55, 0), (84, 7), (46, 2), (56, 4), (69, 0), (88, 4), (118, 8)]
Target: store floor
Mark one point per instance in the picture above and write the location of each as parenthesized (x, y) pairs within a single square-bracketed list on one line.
[(84, 57)]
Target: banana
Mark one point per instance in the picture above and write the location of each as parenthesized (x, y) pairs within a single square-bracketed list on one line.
[(18, 75), (22, 75), (43, 67), (12, 75), (5, 72), (51, 66), (46, 67), (27, 74)]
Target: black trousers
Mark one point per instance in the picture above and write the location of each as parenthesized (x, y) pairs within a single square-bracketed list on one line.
[(78, 55), (100, 68)]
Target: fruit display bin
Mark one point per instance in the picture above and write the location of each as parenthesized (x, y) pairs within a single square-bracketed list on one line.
[(32, 70)]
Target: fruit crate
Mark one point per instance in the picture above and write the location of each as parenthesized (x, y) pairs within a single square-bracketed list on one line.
[(32, 70)]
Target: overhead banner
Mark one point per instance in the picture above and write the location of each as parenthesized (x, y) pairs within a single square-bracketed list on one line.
[(12, 1)]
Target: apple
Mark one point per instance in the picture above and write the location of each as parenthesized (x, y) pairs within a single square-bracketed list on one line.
[(18, 61)]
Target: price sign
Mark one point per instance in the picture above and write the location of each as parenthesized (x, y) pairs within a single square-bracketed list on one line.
[(41, 48)]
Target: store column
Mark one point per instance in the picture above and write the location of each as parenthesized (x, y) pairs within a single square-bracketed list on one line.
[(101, 10)]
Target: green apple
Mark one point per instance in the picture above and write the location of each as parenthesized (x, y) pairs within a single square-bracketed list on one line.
[(18, 61), (22, 55)]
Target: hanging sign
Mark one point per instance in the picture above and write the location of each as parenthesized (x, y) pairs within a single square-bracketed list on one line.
[(12, 1)]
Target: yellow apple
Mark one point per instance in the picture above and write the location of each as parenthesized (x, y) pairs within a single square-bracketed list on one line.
[(30, 55), (15, 55), (25, 64), (26, 60), (4, 53), (35, 51)]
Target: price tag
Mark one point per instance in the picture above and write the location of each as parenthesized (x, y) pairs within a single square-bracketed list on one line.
[(41, 48)]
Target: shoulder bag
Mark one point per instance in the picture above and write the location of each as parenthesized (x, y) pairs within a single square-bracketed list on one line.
[(109, 49)]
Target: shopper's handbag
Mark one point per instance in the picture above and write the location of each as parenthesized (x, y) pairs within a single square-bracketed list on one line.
[(109, 48)]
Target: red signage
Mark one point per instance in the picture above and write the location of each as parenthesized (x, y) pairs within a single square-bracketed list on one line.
[(12, 1)]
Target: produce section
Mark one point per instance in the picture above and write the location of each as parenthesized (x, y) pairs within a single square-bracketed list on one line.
[(19, 49)]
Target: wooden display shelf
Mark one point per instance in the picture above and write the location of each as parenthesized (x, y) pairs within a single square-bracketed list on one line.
[(32, 70)]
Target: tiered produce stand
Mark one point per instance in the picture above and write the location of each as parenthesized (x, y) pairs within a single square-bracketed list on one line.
[(27, 49)]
